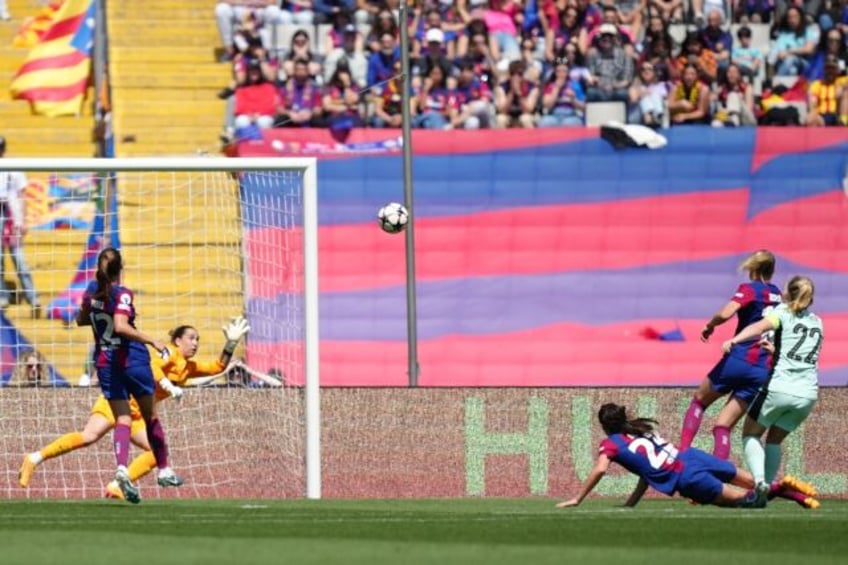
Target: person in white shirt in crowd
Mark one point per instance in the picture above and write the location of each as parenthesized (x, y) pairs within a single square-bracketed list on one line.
[(12, 221)]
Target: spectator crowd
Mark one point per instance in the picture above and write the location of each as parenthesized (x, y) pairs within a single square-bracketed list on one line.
[(534, 63)]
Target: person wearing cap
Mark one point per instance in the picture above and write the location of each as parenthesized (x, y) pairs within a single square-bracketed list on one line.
[(350, 51), (749, 59), (12, 219), (827, 98), (431, 29), (433, 56), (611, 68)]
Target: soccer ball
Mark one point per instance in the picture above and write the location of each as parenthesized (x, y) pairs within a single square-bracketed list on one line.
[(393, 217)]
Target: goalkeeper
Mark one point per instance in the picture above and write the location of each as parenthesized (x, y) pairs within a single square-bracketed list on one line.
[(171, 373)]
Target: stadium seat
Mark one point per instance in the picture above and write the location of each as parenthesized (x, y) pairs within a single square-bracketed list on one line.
[(319, 41), (599, 113), (786, 81)]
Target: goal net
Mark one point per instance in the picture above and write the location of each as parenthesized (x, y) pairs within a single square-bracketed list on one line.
[(203, 240)]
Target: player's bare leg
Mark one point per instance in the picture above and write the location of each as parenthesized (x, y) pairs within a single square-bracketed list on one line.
[(94, 429), (733, 497), (158, 444)]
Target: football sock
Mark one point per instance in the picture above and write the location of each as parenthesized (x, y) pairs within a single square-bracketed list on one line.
[(141, 465), (121, 444), (156, 437), (64, 444), (755, 457), (691, 423), (778, 491), (773, 455), (721, 437)]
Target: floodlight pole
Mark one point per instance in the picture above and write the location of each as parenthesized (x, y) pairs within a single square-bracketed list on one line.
[(411, 315)]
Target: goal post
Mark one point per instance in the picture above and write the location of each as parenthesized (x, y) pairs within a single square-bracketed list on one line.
[(203, 239)]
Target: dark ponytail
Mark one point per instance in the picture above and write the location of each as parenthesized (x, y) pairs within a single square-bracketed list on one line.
[(614, 420), (109, 266)]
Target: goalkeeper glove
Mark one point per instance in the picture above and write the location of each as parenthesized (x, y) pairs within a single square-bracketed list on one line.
[(236, 329), (172, 389)]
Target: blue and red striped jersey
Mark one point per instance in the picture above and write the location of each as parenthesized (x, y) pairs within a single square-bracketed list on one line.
[(753, 298), (109, 347), (649, 456)]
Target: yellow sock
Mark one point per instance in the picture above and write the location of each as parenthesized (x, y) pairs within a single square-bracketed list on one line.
[(844, 119), (64, 444), (141, 465)]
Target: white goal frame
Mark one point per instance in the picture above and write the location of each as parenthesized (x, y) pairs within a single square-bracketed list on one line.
[(308, 166)]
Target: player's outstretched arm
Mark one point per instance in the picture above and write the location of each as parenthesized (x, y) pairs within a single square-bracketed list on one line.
[(234, 331), (124, 329), (638, 493), (721, 317), (754, 330), (591, 482)]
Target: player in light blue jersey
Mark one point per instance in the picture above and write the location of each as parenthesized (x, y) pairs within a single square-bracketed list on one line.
[(790, 394)]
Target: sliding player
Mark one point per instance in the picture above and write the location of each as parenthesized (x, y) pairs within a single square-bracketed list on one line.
[(699, 476), (169, 374), (742, 370), (788, 398)]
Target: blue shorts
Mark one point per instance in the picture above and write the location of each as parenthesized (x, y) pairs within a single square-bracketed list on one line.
[(735, 375), (703, 475), (118, 383)]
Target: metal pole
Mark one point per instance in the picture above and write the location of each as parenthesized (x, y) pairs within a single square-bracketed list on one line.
[(100, 70), (411, 315)]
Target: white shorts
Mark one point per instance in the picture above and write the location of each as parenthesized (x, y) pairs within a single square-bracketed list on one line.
[(781, 410)]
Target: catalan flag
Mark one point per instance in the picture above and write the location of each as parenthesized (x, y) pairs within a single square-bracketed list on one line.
[(36, 27), (56, 73)]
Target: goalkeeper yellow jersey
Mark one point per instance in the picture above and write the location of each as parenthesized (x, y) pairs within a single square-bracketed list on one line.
[(176, 368)]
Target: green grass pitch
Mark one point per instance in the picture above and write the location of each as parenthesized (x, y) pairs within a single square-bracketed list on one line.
[(526, 532)]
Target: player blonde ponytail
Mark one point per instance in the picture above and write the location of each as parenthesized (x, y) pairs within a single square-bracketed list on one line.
[(759, 265), (799, 293)]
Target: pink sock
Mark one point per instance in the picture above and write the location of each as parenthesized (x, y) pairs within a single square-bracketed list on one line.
[(721, 435), (156, 437), (691, 423), (121, 444), (776, 490)]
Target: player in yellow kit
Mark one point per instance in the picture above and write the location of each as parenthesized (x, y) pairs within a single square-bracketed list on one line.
[(170, 373)]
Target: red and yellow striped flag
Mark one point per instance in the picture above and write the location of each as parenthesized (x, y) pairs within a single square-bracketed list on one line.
[(35, 27), (56, 72)]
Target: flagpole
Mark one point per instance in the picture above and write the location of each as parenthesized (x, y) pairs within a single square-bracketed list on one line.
[(411, 308)]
